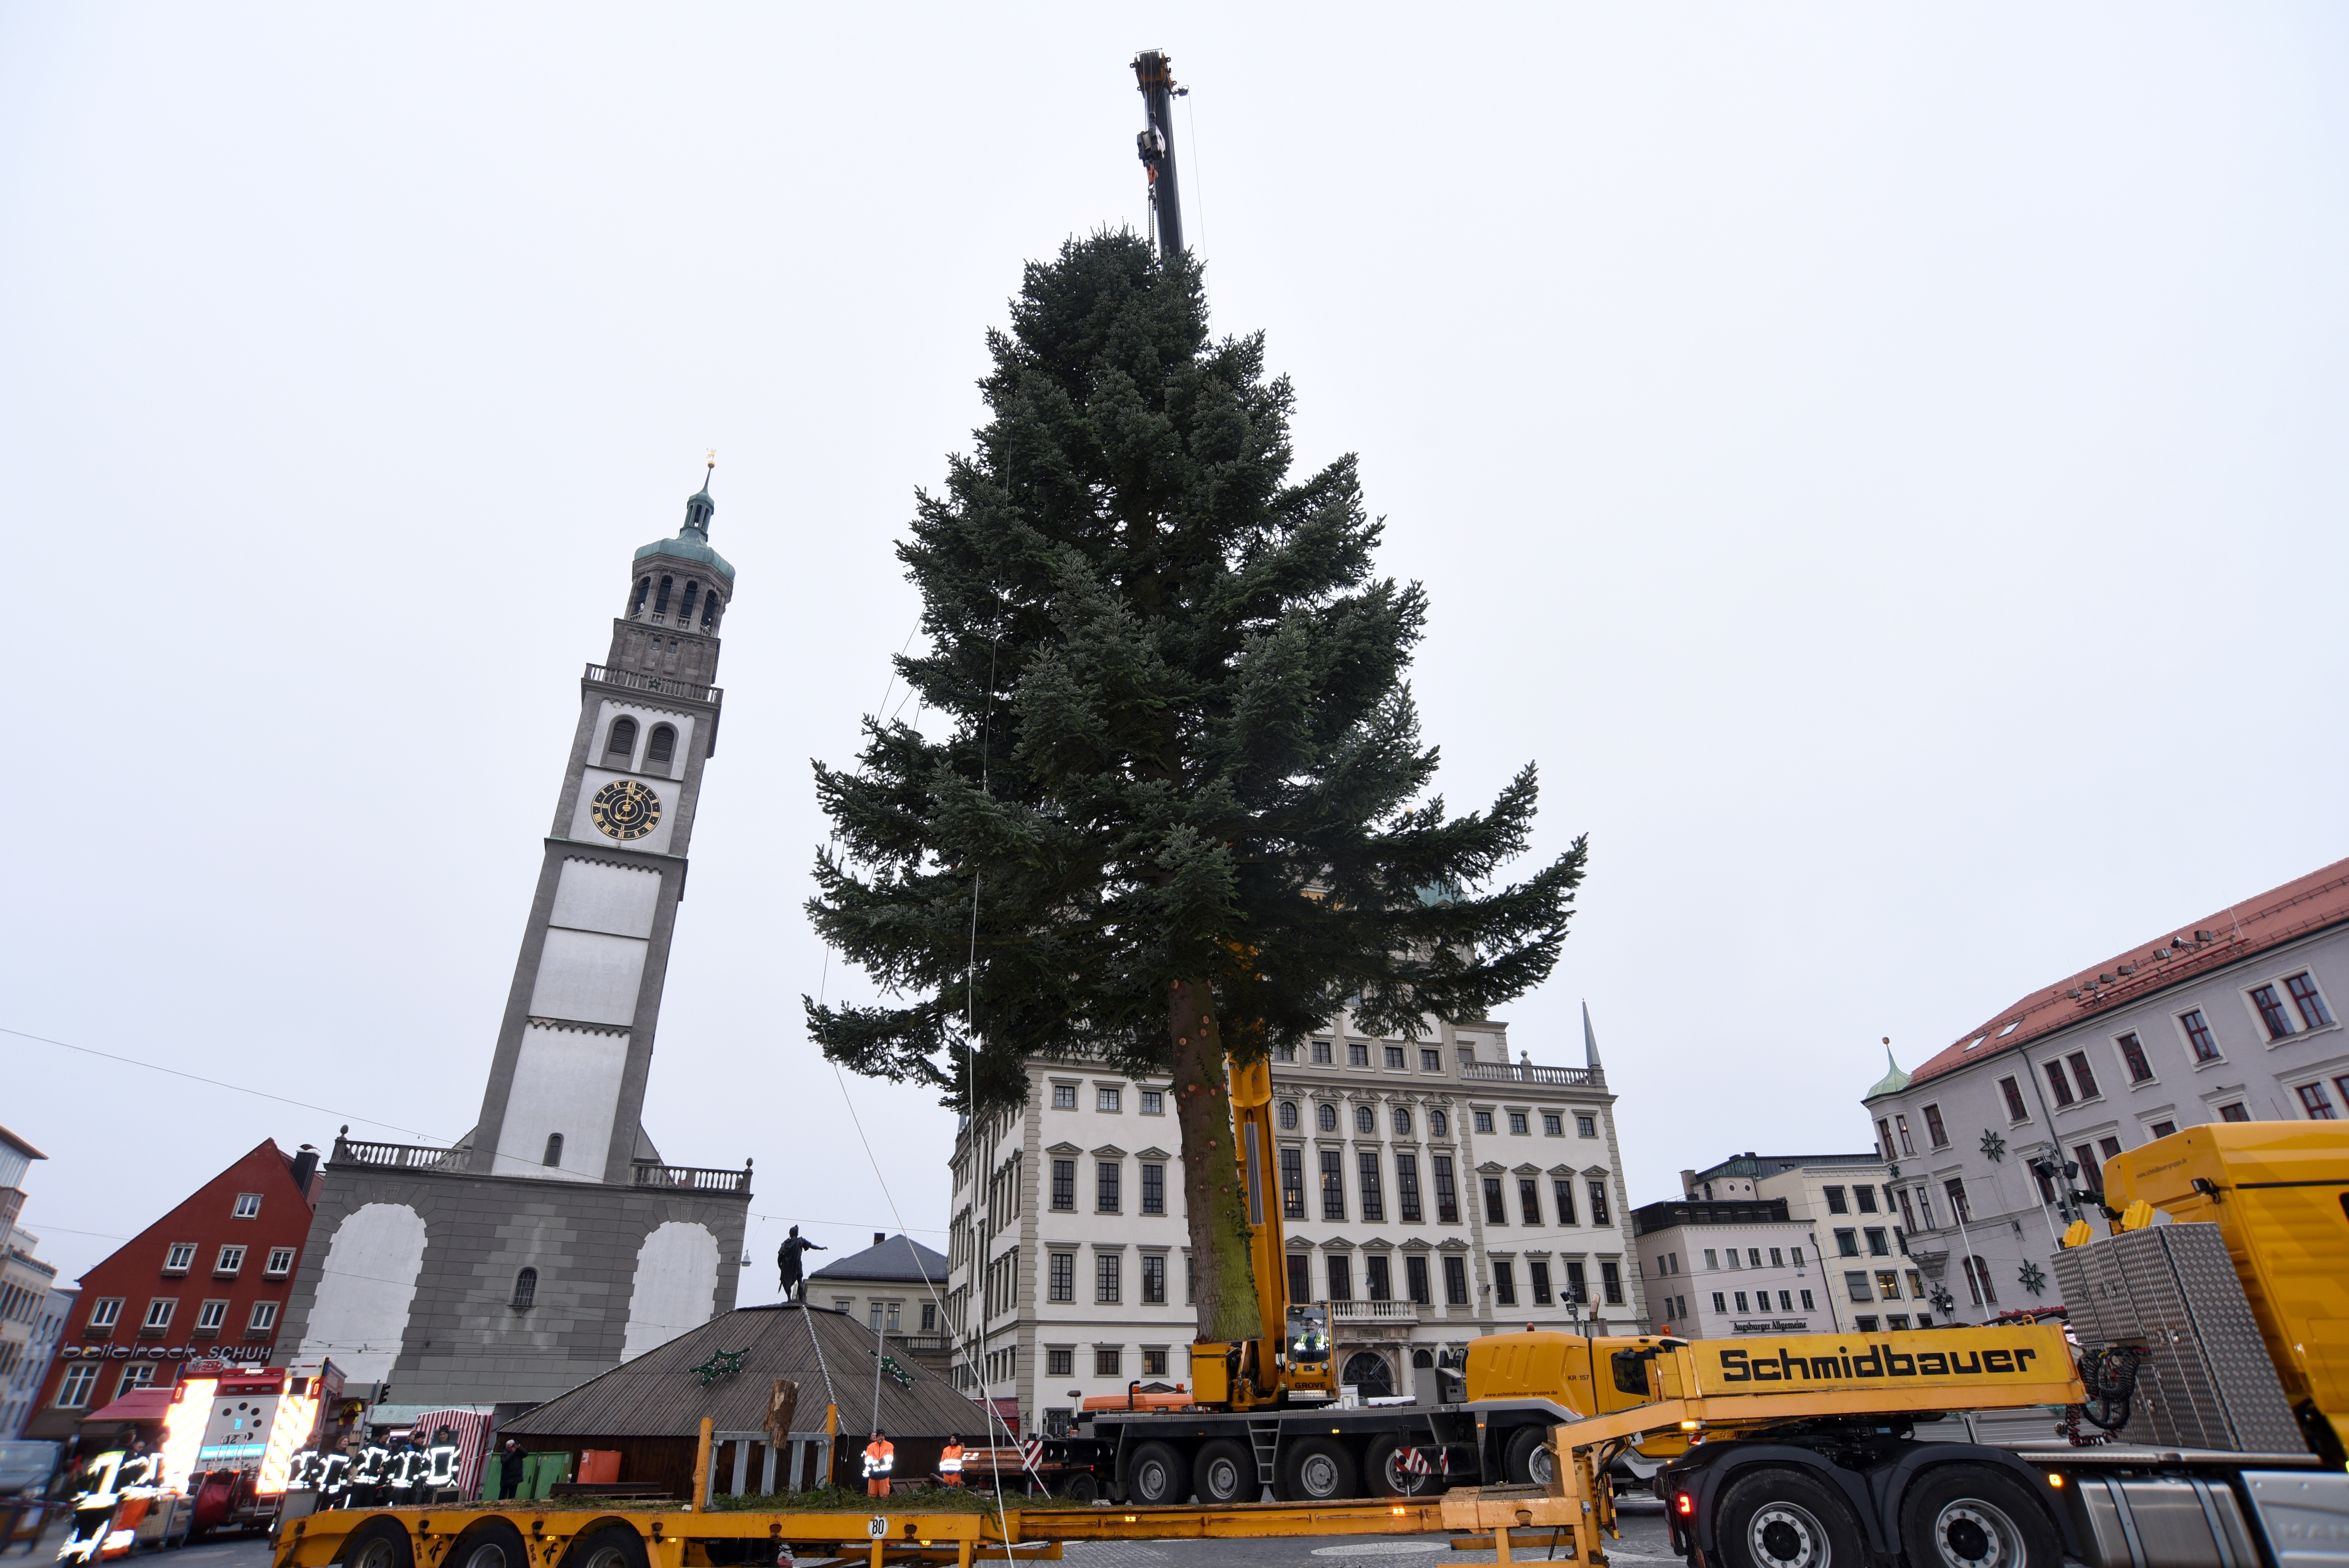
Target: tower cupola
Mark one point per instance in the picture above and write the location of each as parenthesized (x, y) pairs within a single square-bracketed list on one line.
[(682, 583)]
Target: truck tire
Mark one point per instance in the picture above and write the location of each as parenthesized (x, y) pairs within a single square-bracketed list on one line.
[(1528, 1459), (1383, 1473), (1772, 1518), (378, 1543), (491, 1543), (609, 1546), (1077, 1486), (1158, 1476), (1224, 1472), (1318, 1469), (1971, 1516)]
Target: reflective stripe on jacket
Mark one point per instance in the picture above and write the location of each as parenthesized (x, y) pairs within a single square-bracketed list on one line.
[(880, 1458)]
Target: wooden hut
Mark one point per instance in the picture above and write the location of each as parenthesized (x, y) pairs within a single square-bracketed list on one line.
[(650, 1410)]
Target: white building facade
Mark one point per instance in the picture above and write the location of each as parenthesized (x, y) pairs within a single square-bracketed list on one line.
[(1431, 1191), (1730, 1266), (1850, 1216)]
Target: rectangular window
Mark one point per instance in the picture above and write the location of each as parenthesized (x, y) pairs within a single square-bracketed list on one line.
[(230, 1263), (1537, 1279), (1455, 1282), (1720, 1302), (1358, 1053), (1064, 1096), (1065, 1184), (1848, 1243), (1855, 1285), (2013, 1090), (1777, 1258), (1835, 1204), (1063, 1275), (105, 1312), (2162, 1128), (1916, 1286), (74, 1390), (1740, 1299), (2092, 1174), (1431, 1061), (1754, 1257), (1807, 1303), (1107, 1359), (1284, 1053), (1483, 1121), (159, 1311), (2110, 1147), (1517, 1123), (1530, 1200), (2316, 1102), (2234, 1112), (1407, 1186), (1106, 1281), (1956, 1188), (211, 1315), (1292, 1183), (2082, 1078), (1909, 1214), (1796, 1254), (1154, 1363), (1713, 1261), (1447, 1199), (248, 1206), (1864, 1323), (1105, 1187), (1394, 1057), (1578, 1283), (1321, 1052), (1153, 1102), (1415, 1278), (1340, 1270), (1377, 1277), (1333, 1186), (1300, 1278), (1888, 1283), (1876, 1244), (1884, 1136), (1153, 1188), (1610, 1281), (1060, 1364), (179, 1258), (2198, 1035), (1598, 1203), (1933, 1127), (1495, 1212), (1585, 1126), (1153, 1279), (1866, 1197), (1562, 1192), (2060, 1084), (2314, 1013), (1505, 1282), (281, 1262), (1467, 1056), (1106, 1098), (1907, 1144), (1553, 1124), (2133, 1058), (2272, 1013), (1374, 1197), (264, 1316)]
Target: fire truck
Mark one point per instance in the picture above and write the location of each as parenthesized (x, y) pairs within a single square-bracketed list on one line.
[(231, 1435)]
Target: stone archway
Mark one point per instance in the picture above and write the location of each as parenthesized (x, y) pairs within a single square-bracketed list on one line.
[(1368, 1371)]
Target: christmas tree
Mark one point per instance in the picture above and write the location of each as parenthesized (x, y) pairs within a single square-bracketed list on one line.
[(1180, 807)]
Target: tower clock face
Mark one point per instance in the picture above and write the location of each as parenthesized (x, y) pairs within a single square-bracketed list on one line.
[(624, 809)]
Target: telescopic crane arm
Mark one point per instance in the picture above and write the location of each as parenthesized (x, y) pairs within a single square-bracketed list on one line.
[(1155, 73)]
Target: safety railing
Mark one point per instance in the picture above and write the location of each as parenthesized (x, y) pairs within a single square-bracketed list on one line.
[(399, 1156), (690, 1178), (691, 691), (1527, 1072)]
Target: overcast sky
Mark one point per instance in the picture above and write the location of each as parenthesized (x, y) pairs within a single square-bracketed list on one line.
[(1886, 465)]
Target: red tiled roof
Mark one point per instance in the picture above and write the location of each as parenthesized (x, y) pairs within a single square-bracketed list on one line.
[(2277, 917)]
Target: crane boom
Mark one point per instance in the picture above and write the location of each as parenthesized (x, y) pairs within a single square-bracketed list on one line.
[(1156, 74)]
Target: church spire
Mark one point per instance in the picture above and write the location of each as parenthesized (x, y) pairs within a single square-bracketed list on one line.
[(1589, 1040), (699, 507)]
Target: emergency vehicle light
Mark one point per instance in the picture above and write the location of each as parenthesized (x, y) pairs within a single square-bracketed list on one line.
[(289, 1429), (183, 1430)]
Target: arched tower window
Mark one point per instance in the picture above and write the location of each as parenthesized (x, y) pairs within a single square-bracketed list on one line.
[(710, 611), (623, 743), (553, 1149), (684, 611), (526, 1288), (662, 745), (660, 600), (637, 601)]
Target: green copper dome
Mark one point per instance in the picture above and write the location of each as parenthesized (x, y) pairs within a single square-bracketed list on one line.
[(1893, 1082), (692, 541)]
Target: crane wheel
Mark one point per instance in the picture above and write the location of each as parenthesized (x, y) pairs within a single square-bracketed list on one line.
[(492, 1544), (1528, 1458), (1223, 1471), (1316, 1470), (1971, 1516), (1157, 1475), (378, 1543), (1383, 1473), (1772, 1518), (1077, 1486), (611, 1546)]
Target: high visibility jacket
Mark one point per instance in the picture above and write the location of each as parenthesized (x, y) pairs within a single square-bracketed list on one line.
[(369, 1471), (440, 1465), (407, 1468), (305, 1473), (334, 1474), (880, 1458), (950, 1460)]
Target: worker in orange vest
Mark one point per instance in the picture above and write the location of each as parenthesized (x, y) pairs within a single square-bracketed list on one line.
[(950, 1460), (880, 1458)]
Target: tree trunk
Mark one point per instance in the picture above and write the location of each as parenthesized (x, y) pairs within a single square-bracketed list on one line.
[(1214, 1194)]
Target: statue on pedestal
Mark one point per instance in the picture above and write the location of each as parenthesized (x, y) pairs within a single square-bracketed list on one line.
[(787, 1263)]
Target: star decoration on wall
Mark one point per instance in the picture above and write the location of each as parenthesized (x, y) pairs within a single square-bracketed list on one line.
[(894, 1373), (1993, 1145), (723, 1364), (2033, 1280)]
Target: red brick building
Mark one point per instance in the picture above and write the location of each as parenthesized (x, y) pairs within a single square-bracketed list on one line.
[(206, 1281)]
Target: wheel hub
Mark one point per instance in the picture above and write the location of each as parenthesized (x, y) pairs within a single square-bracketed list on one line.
[(1782, 1535), (1971, 1534)]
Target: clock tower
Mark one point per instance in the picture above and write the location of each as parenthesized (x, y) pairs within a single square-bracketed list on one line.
[(567, 1082), (552, 1242)]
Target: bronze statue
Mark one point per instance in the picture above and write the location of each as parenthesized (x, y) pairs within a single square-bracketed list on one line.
[(787, 1261)]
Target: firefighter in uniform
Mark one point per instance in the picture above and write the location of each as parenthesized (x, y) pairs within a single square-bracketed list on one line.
[(333, 1476), (367, 1476), (880, 1458), (950, 1460)]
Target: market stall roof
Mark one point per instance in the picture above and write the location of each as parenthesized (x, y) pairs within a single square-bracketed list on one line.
[(661, 1394), (137, 1405)]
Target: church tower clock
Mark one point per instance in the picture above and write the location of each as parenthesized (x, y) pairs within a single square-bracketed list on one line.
[(567, 1082), (552, 1242)]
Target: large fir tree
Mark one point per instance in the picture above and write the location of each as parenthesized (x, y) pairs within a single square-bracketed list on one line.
[(1180, 810)]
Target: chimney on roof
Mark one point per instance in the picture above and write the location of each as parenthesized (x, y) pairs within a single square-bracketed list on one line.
[(879, 1237), (305, 1165)]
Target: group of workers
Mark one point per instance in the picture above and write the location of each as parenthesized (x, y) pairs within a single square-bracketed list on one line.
[(375, 1475), (881, 1461)]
